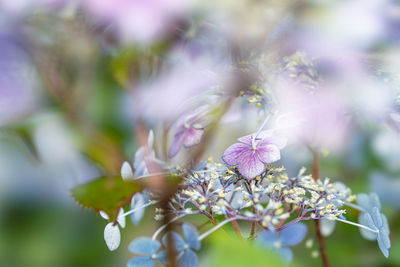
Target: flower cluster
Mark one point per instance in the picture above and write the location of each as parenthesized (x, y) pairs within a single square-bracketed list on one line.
[(247, 188)]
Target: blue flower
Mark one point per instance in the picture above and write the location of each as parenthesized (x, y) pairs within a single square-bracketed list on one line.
[(290, 236), (379, 223), (372, 217), (184, 249), (148, 248)]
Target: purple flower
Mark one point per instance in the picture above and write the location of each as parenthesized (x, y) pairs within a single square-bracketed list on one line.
[(189, 131), (251, 155)]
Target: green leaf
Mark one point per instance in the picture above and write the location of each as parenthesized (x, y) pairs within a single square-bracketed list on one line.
[(231, 252), (106, 193)]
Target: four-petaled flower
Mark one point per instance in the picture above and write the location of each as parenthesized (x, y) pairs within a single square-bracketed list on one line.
[(372, 217), (378, 222), (290, 236), (251, 154), (189, 131), (186, 256), (148, 248)]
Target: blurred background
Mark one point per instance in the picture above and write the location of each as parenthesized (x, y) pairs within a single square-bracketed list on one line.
[(78, 77)]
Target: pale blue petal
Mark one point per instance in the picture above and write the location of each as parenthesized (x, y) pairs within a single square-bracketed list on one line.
[(137, 201), (369, 235), (188, 259), (377, 217), (384, 237), (144, 245), (162, 256), (385, 223), (191, 235), (286, 253), (143, 261), (267, 238), (327, 226), (293, 234), (383, 246), (374, 201), (178, 240), (363, 201), (367, 220)]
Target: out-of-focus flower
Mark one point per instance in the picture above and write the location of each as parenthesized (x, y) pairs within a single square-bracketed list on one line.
[(387, 188), (290, 236), (143, 156), (317, 118), (140, 21), (148, 248), (251, 154), (18, 80), (382, 144), (112, 234), (189, 131), (184, 249), (184, 84)]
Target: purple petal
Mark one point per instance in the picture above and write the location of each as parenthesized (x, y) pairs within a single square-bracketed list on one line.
[(250, 165), (192, 137), (234, 153), (268, 153), (176, 144)]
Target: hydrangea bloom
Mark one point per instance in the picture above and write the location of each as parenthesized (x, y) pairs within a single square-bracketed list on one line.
[(148, 248), (290, 236), (252, 153)]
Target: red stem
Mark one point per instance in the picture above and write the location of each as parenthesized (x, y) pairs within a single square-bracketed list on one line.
[(320, 237)]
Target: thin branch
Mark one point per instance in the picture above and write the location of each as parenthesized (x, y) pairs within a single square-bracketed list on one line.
[(320, 237)]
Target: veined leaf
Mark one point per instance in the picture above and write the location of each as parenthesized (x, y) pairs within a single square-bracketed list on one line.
[(106, 193)]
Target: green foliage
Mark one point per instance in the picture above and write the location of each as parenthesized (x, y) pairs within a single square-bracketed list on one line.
[(106, 193), (230, 252)]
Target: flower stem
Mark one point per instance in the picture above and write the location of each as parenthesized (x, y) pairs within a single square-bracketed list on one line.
[(216, 228), (320, 237), (159, 230), (138, 208), (357, 224), (261, 127)]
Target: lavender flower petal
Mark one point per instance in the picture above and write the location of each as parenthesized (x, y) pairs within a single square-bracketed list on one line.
[(234, 153), (192, 137), (250, 165)]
